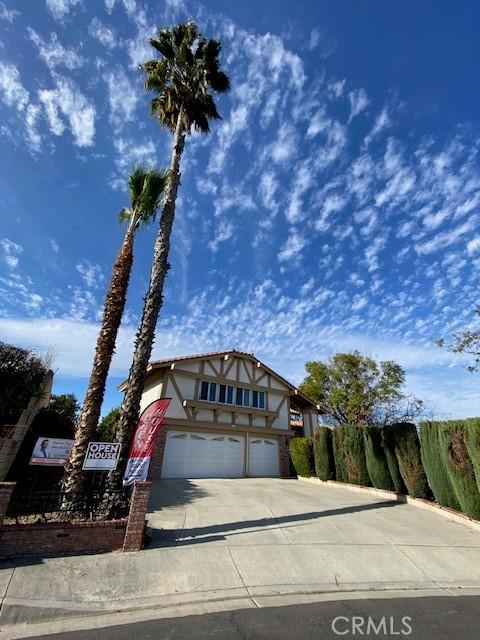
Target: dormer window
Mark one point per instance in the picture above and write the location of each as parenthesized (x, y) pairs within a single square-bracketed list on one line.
[(227, 394)]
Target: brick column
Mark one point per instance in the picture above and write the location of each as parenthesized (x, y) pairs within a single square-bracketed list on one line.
[(155, 469), (136, 516), (6, 489), (284, 457)]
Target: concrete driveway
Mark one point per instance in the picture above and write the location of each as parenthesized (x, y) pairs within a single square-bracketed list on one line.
[(242, 542)]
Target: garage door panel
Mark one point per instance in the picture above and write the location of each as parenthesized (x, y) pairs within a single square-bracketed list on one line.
[(263, 457), (203, 455)]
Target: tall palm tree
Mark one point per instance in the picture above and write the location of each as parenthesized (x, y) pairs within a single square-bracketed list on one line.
[(146, 187), (182, 78)]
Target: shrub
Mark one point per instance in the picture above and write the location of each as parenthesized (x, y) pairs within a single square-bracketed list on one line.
[(376, 460), (435, 468), (108, 425), (407, 450), (301, 452), (392, 462), (323, 453), (472, 440), (459, 466), (338, 454)]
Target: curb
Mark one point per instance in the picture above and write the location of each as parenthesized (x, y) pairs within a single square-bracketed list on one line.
[(421, 503)]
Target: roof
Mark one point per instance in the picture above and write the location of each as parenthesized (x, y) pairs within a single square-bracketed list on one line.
[(299, 398)]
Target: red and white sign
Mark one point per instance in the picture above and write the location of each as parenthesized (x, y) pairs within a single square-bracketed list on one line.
[(146, 434), (53, 452)]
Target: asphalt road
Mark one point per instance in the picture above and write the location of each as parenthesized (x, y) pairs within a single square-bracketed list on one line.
[(428, 618)]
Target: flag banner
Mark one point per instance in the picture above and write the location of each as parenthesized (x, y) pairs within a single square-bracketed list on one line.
[(146, 433)]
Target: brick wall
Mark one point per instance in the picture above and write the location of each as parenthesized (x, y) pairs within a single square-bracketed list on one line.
[(284, 457), (136, 518), (155, 468)]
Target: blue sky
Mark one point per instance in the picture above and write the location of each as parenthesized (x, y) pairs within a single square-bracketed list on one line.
[(336, 205)]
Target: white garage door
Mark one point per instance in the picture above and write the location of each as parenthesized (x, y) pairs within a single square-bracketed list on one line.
[(203, 455), (262, 457)]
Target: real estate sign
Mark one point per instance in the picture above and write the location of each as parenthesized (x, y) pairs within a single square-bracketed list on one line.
[(101, 456), (53, 452), (146, 434)]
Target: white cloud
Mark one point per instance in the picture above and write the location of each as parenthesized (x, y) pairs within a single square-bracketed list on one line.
[(11, 252), (131, 153), (61, 8), (102, 33), (381, 123), (67, 100), (8, 14), (292, 247), (444, 239), (53, 53), (223, 232), (358, 102), (13, 92), (123, 97), (91, 273), (473, 246), (34, 139)]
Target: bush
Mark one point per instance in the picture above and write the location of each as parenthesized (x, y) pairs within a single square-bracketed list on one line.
[(350, 455), (338, 454), (435, 468), (407, 450), (323, 453), (376, 460), (301, 453), (472, 440), (392, 462), (459, 466), (108, 426)]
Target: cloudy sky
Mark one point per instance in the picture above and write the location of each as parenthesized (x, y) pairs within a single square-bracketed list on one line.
[(335, 207)]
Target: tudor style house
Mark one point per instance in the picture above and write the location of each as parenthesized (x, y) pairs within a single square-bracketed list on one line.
[(230, 416)]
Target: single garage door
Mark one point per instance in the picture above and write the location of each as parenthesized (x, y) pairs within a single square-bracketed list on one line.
[(203, 455), (262, 457)]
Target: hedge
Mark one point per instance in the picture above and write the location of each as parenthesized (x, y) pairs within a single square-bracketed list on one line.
[(435, 468), (340, 469), (301, 452), (392, 462), (407, 450), (472, 440), (459, 466), (323, 453), (376, 461), (352, 451)]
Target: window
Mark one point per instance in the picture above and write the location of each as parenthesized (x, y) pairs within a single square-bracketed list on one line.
[(255, 399), (229, 394), (239, 396), (204, 391), (261, 399), (246, 397), (221, 393), (212, 393)]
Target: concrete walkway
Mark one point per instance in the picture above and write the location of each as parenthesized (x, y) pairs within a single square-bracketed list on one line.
[(251, 538)]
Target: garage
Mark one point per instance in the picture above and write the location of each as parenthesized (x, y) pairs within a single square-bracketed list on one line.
[(262, 457), (203, 455)]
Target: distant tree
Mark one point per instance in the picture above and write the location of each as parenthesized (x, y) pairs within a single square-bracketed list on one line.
[(466, 342), (355, 389), (146, 187), (108, 426), (184, 78), (21, 376)]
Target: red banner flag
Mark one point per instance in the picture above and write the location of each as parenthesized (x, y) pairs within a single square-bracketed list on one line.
[(146, 433)]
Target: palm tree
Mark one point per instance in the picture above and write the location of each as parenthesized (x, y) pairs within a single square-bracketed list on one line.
[(146, 187), (182, 79)]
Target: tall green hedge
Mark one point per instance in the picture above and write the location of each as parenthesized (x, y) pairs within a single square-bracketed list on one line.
[(392, 462), (323, 453), (352, 452), (301, 452), (459, 466), (376, 460), (472, 439), (340, 469), (407, 450), (434, 465)]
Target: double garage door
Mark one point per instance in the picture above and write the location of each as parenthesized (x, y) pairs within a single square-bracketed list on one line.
[(207, 455)]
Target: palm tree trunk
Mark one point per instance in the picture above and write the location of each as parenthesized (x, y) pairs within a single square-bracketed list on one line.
[(153, 302), (112, 315)]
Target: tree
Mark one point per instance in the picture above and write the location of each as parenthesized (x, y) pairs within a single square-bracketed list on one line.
[(108, 426), (146, 188), (354, 389), (182, 79), (466, 342)]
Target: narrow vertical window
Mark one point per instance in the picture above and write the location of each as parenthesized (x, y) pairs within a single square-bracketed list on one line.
[(255, 399), (221, 393), (204, 391), (246, 397), (213, 392), (239, 396), (229, 394), (261, 399)]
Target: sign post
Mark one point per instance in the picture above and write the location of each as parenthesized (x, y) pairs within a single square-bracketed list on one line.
[(146, 433)]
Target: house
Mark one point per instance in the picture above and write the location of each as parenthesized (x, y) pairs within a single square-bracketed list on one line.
[(229, 416)]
